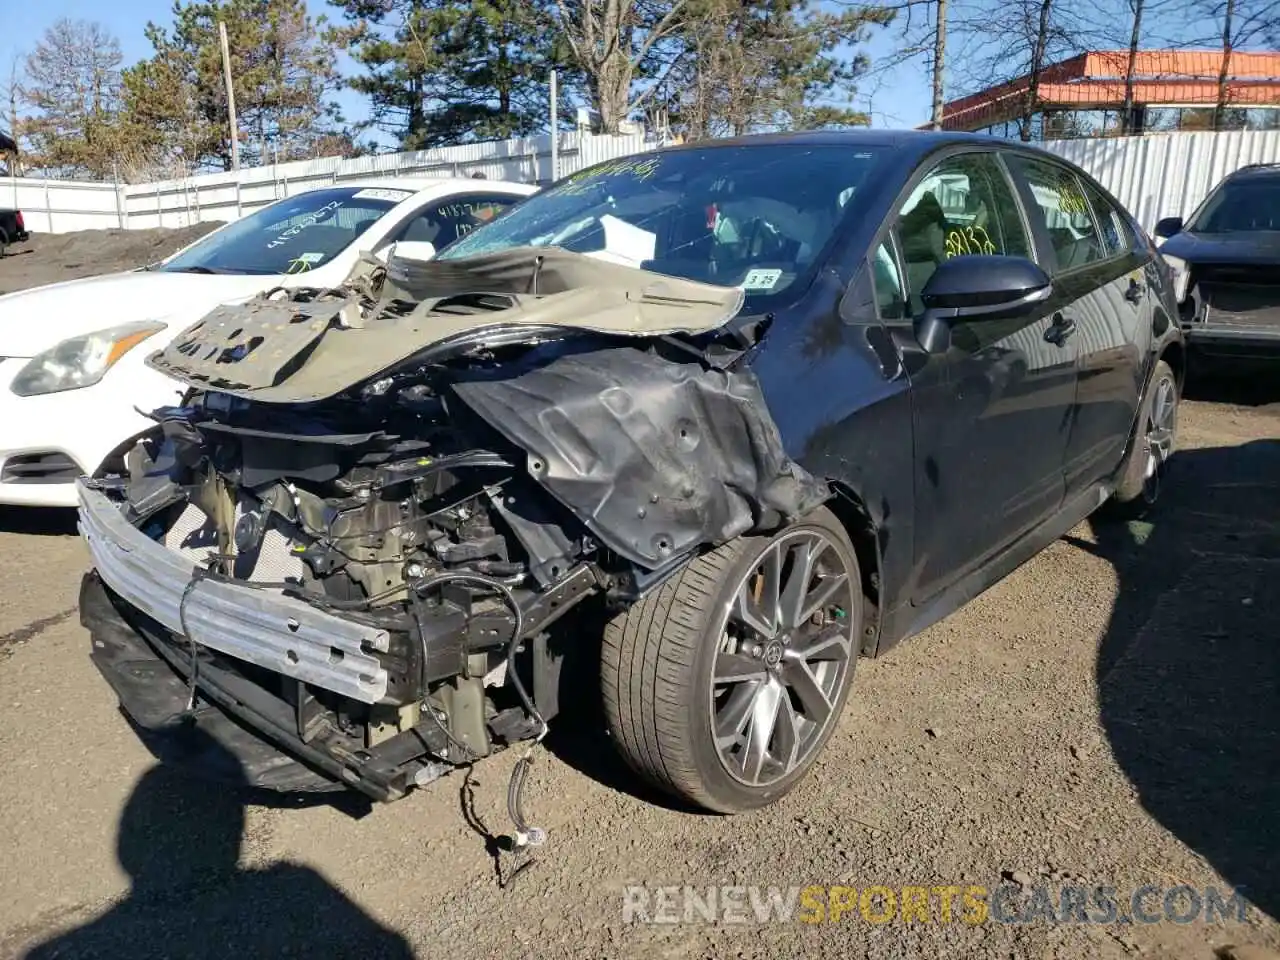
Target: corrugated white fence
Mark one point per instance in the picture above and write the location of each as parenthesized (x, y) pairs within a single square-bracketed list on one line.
[(60, 206), (1155, 176)]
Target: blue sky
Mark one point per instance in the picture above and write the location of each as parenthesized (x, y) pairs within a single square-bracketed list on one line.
[(900, 99)]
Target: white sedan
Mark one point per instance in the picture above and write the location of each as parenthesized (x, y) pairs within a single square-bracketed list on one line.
[(73, 385)]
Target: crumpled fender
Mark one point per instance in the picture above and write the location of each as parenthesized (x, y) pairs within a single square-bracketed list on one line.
[(655, 457)]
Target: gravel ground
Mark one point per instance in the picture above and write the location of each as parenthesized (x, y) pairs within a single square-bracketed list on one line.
[(1106, 715), (51, 257)]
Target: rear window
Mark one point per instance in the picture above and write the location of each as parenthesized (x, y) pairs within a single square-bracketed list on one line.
[(293, 235)]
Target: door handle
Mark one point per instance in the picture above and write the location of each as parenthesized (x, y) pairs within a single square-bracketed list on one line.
[(1061, 328), (1136, 292)]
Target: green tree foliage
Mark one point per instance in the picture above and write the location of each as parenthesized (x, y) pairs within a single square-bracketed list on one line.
[(451, 71), (751, 65), (72, 93), (284, 74)]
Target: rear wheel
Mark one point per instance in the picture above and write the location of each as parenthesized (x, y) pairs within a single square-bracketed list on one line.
[(4, 242), (723, 685), (1145, 465)]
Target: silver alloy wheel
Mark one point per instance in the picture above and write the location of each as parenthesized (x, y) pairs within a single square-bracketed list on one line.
[(1159, 436), (786, 648)]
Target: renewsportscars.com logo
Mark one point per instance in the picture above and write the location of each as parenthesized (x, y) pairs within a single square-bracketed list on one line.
[(969, 904)]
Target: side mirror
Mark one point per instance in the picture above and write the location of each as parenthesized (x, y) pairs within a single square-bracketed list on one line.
[(977, 287), (1167, 227), (410, 250)]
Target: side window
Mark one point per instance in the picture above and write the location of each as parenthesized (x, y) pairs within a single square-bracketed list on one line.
[(1116, 239), (442, 223), (963, 206), (1064, 210), (886, 274)]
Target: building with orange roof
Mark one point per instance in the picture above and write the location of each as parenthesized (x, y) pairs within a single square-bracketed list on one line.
[(1084, 96)]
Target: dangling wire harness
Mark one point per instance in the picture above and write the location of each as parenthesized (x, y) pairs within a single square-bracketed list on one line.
[(525, 834)]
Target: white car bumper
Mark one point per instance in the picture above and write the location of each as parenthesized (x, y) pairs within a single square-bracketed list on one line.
[(47, 441)]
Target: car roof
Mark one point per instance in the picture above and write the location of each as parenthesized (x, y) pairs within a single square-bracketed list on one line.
[(430, 184), (912, 145), (1256, 171), (859, 137)]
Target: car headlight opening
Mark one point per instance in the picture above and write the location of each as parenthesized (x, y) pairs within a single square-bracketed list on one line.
[(1181, 276), (80, 361)]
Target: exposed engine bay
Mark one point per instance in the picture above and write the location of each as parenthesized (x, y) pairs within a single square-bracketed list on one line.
[(452, 499)]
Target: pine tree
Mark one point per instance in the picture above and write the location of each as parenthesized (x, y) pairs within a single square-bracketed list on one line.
[(283, 71), (751, 65), (450, 71)]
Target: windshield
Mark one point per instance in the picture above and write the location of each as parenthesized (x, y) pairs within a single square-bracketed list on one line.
[(1241, 205), (755, 217), (291, 236)]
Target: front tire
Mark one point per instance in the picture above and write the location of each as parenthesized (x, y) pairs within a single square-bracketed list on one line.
[(1144, 467), (722, 686)]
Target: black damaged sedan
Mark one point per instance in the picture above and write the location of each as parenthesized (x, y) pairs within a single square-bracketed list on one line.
[(719, 420)]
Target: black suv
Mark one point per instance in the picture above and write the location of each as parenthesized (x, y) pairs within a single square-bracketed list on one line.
[(1226, 267)]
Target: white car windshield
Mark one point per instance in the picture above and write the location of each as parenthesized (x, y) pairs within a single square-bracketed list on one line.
[(291, 236), (757, 217)]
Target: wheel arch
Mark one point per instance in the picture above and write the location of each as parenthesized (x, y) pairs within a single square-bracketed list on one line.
[(1175, 355), (851, 510)]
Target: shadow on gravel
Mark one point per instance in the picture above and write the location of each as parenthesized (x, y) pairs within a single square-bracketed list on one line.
[(579, 735), (1189, 668), (1247, 386), (38, 521), (181, 845)]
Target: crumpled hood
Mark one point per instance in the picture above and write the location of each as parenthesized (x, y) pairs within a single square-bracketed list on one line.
[(294, 350), (34, 320)]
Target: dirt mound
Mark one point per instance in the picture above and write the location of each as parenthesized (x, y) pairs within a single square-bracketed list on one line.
[(50, 257)]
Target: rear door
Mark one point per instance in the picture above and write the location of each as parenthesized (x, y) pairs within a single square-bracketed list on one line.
[(1099, 268), (990, 415)]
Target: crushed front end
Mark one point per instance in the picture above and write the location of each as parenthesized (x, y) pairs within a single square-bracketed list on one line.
[(349, 595), (358, 553)]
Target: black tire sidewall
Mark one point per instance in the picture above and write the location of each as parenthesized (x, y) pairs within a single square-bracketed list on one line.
[(724, 792)]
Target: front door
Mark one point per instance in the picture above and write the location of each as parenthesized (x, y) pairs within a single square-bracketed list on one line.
[(991, 416)]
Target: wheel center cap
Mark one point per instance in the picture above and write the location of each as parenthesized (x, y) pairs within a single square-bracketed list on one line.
[(773, 654)]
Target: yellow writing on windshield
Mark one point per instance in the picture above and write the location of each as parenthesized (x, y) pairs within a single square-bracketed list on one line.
[(640, 170)]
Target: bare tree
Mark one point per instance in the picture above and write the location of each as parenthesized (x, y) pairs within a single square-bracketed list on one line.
[(939, 65), (1238, 25), (615, 41), (73, 90), (750, 65), (1019, 40), (923, 28), (11, 94), (1224, 71)]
